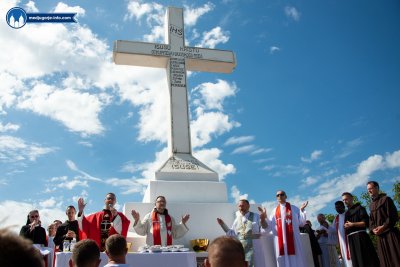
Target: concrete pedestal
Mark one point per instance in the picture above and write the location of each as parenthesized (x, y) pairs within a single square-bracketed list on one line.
[(187, 191)]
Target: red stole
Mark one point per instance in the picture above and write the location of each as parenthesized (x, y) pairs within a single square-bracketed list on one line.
[(345, 237), (91, 227), (289, 230), (156, 229)]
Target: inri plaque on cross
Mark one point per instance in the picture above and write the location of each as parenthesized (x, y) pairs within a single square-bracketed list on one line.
[(176, 58)]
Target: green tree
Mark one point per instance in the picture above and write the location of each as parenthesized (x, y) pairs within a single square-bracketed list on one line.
[(330, 217), (396, 194), (396, 200)]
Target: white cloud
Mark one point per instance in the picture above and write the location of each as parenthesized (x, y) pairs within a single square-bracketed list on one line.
[(86, 176), (13, 149), (210, 157), (213, 94), (31, 7), (316, 154), (19, 211), (138, 10), (71, 165), (130, 167), (244, 149), (214, 37), (237, 140), (48, 203), (274, 49), (9, 127), (192, 15), (71, 184), (10, 85), (61, 7), (263, 160), (260, 150), (58, 49), (308, 181), (156, 35), (208, 124), (291, 12), (78, 111), (350, 147), (393, 160), (85, 143), (129, 186), (332, 189), (268, 167), (236, 195)]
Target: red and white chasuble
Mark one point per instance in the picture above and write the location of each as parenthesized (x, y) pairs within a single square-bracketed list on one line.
[(284, 222), (157, 228), (90, 226), (160, 229)]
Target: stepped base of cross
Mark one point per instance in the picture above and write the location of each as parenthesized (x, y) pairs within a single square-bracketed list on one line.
[(192, 188)]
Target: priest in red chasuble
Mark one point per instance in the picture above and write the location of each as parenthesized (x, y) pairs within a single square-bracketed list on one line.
[(284, 222), (100, 225), (158, 226)]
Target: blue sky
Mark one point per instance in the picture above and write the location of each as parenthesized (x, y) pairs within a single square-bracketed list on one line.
[(312, 106)]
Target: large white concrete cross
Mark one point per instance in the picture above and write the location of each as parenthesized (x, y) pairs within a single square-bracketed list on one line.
[(176, 58)]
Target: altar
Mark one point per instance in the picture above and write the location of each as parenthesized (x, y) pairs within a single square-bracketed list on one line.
[(163, 259)]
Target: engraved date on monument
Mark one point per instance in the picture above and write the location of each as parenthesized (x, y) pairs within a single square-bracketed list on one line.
[(184, 164)]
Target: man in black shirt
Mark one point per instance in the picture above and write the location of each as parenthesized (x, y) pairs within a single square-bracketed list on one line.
[(68, 230), (362, 251)]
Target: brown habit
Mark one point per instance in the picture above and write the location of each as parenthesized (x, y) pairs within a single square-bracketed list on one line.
[(384, 212)]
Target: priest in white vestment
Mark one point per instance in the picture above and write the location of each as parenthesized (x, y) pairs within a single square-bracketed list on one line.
[(339, 225), (247, 228), (284, 222), (158, 226)]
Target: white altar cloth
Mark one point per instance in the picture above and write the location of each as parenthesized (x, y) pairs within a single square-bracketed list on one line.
[(166, 259)]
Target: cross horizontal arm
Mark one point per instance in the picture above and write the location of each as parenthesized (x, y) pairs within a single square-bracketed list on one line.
[(138, 54), (211, 60)]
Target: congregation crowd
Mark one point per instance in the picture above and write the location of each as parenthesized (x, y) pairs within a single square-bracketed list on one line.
[(344, 242)]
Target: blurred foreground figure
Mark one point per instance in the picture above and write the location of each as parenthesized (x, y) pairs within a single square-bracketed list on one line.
[(116, 249), (17, 251), (86, 254), (225, 251)]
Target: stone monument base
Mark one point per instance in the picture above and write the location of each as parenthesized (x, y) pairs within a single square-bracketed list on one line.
[(184, 191)]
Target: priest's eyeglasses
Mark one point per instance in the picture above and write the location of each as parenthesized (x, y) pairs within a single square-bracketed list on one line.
[(280, 195), (34, 216)]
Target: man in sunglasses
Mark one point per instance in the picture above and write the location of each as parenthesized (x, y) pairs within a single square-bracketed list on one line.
[(285, 221)]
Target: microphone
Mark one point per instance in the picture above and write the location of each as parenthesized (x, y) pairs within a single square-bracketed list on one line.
[(110, 206)]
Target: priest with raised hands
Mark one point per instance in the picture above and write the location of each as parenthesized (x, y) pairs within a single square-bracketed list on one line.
[(158, 226), (247, 228), (100, 225), (284, 222)]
